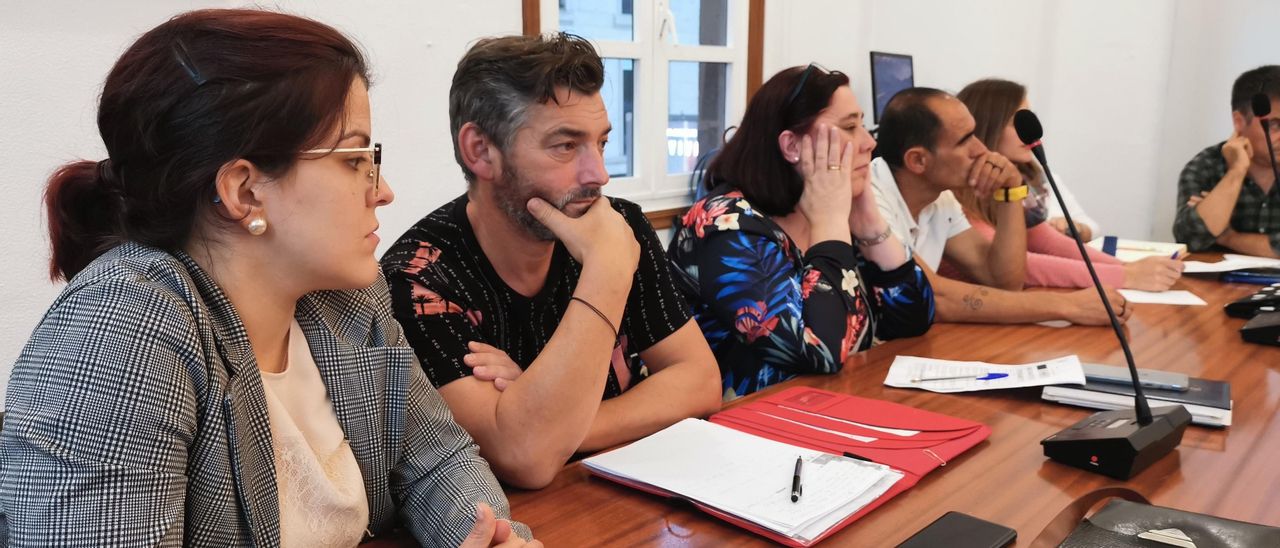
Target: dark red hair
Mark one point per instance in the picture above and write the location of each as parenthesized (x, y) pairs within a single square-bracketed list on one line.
[(751, 161), (201, 90)]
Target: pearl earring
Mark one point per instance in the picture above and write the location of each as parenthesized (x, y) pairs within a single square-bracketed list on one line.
[(257, 226)]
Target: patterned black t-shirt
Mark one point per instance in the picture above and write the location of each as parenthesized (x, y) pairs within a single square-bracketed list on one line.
[(446, 293)]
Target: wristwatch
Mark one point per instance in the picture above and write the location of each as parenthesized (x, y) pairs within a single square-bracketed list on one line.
[(1014, 194)]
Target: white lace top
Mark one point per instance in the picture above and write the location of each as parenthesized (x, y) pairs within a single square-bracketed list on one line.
[(322, 498)]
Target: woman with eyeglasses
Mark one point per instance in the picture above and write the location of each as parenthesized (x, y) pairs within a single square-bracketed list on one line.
[(1053, 260), (222, 368), (787, 262)]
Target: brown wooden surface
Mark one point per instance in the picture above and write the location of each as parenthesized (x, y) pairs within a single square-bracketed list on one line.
[(1232, 473), (664, 218)]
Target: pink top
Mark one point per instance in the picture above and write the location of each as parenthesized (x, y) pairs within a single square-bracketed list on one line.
[(1052, 260)]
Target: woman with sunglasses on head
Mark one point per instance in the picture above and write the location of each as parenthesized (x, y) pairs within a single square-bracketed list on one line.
[(787, 262), (1053, 260), (222, 368)]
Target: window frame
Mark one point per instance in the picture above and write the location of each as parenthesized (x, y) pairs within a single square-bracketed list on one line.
[(650, 185)]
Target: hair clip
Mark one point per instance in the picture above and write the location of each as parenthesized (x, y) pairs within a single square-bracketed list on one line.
[(184, 60)]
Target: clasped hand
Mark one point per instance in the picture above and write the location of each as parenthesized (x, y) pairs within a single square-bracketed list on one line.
[(993, 171)]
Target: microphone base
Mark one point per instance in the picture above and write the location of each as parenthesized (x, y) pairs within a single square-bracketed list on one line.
[(1112, 443)]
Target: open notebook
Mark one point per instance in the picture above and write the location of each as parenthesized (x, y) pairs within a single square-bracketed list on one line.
[(749, 476), (738, 465)]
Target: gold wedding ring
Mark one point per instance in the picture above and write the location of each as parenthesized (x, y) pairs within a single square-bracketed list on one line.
[(833, 168)]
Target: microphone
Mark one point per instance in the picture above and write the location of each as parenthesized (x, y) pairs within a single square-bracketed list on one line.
[(1117, 443), (1261, 107)]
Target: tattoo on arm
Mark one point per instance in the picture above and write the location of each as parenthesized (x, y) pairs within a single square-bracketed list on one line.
[(974, 300)]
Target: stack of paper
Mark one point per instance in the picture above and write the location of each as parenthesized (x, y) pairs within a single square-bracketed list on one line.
[(748, 477), (947, 376), (1208, 401), (1230, 262)]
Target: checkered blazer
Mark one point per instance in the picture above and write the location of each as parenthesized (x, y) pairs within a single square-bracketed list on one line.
[(136, 417)]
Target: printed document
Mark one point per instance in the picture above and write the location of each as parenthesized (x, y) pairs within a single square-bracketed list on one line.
[(947, 376)]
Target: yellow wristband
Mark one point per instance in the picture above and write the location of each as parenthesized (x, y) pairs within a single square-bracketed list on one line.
[(1010, 194)]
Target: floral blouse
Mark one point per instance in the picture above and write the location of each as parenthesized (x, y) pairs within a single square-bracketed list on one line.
[(771, 313)]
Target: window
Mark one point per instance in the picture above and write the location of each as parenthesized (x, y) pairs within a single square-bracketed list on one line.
[(675, 79)]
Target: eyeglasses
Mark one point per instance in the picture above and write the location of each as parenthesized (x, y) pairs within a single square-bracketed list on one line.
[(370, 160)]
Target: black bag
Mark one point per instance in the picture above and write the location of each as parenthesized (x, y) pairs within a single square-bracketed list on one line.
[(1122, 523)]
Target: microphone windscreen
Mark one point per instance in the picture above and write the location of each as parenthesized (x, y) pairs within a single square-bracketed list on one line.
[(1028, 126), (1261, 105)]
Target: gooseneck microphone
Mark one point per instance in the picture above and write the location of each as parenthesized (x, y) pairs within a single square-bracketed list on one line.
[(1117, 443), (1262, 107)]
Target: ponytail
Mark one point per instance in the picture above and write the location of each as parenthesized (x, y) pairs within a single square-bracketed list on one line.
[(82, 202)]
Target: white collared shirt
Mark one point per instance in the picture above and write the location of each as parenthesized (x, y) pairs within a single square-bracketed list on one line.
[(926, 236)]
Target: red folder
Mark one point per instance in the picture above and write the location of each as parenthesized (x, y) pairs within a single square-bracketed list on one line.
[(795, 416)]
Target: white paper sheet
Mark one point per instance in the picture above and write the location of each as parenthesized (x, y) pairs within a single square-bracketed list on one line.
[(1134, 250), (1055, 323), (1173, 296), (749, 476), (906, 369)]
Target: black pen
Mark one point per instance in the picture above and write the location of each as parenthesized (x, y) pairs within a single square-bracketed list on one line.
[(859, 457), (796, 488)]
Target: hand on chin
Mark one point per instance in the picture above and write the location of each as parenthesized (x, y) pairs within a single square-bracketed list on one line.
[(578, 208)]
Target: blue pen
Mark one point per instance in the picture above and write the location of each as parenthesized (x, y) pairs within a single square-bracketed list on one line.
[(987, 377)]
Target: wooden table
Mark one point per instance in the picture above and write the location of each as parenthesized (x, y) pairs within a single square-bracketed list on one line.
[(1232, 473)]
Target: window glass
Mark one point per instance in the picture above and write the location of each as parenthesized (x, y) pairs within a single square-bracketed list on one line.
[(598, 19), (696, 111), (619, 95), (701, 22)]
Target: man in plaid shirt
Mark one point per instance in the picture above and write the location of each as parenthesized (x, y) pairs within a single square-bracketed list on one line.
[(1227, 194)]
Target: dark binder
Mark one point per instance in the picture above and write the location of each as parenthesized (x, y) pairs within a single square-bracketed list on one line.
[(1202, 392)]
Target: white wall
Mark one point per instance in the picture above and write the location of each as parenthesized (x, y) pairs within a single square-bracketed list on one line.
[(1128, 91), (1075, 63), (1215, 42), (55, 54), (1103, 107)]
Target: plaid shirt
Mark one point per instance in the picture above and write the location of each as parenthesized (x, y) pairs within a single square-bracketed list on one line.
[(136, 417), (1255, 211)]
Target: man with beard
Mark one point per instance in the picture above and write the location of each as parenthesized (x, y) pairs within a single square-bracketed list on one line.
[(1227, 194), (532, 297), (928, 147)]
